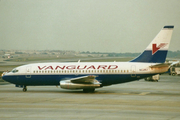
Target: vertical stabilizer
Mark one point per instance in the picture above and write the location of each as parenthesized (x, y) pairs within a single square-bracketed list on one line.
[(157, 50)]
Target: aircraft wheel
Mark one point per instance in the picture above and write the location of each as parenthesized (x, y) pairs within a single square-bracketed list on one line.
[(88, 90), (91, 90), (25, 89)]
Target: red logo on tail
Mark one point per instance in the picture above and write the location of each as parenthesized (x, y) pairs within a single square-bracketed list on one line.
[(155, 48)]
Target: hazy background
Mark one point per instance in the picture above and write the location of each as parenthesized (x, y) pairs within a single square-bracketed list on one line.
[(86, 25)]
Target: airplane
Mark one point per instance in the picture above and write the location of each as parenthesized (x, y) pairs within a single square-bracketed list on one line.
[(91, 75)]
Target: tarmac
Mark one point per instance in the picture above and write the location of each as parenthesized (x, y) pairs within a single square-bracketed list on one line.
[(138, 100)]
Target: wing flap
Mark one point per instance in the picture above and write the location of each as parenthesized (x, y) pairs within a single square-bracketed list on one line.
[(85, 80)]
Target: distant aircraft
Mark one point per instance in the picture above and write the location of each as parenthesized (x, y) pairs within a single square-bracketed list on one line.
[(91, 75)]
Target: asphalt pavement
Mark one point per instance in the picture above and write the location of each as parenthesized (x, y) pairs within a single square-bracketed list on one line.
[(138, 100)]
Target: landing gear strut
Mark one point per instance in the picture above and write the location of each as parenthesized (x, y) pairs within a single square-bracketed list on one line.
[(89, 90), (24, 88)]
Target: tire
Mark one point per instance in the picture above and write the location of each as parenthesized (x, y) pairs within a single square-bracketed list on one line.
[(89, 90), (25, 89)]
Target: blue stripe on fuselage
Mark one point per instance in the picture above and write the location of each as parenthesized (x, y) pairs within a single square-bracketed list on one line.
[(146, 56), (105, 79)]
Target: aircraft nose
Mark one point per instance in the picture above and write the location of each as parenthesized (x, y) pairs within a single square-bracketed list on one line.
[(4, 77), (7, 78)]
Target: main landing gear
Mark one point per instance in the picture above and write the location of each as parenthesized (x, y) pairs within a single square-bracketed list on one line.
[(24, 88), (89, 90)]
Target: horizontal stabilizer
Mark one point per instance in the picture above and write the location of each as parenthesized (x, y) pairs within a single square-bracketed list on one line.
[(174, 63), (160, 65), (164, 65)]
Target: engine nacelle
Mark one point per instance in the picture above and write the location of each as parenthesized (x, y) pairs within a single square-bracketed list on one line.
[(67, 84)]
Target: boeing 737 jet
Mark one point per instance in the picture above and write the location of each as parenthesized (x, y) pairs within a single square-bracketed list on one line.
[(91, 75)]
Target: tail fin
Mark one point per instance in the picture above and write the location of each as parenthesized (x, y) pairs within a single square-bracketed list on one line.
[(157, 50)]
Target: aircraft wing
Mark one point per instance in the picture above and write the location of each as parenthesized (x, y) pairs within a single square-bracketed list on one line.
[(85, 80)]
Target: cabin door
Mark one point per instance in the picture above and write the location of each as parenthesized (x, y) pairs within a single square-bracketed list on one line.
[(28, 72), (133, 71)]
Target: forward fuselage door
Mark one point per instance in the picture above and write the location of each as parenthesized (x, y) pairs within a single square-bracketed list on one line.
[(28, 72), (133, 71)]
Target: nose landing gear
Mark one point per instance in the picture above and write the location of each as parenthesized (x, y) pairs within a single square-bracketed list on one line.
[(24, 88)]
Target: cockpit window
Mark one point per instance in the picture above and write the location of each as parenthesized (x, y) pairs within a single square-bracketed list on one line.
[(14, 70)]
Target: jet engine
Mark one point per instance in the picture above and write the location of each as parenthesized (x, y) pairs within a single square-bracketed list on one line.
[(67, 84)]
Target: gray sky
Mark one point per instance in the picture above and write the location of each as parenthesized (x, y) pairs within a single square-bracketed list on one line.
[(86, 25)]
